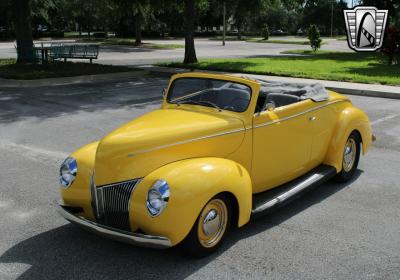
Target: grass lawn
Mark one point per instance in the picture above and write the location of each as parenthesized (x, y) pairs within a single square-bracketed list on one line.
[(324, 65), (10, 70), (131, 42), (277, 41)]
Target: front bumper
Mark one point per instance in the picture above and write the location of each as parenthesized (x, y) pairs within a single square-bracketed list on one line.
[(116, 234)]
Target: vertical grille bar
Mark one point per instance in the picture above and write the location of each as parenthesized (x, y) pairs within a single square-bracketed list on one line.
[(111, 203)]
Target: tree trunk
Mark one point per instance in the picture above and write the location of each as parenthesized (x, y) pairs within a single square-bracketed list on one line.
[(138, 29), (190, 51), (23, 31)]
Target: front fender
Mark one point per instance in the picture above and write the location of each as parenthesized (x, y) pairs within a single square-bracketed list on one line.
[(350, 119), (78, 194), (193, 182)]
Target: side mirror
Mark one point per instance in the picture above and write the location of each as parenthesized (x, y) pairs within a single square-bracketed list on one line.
[(270, 106), (164, 92)]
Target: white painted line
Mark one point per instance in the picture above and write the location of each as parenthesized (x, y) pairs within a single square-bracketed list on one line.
[(13, 270), (32, 152), (384, 119)]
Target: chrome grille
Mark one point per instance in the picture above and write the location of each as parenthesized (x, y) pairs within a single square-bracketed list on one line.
[(111, 203)]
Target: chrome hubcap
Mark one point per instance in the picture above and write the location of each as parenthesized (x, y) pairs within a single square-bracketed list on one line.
[(349, 154), (213, 221)]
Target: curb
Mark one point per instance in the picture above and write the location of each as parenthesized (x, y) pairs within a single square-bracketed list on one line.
[(72, 80), (391, 92)]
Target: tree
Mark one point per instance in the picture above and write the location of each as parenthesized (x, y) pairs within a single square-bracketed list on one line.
[(392, 5), (23, 30), (314, 37), (139, 8), (190, 51), (5, 18), (170, 16), (132, 9), (318, 12), (265, 32)]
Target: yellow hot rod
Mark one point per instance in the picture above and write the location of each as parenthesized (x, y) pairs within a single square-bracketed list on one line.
[(220, 151)]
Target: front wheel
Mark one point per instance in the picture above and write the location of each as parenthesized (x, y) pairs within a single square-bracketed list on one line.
[(351, 156), (210, 229)]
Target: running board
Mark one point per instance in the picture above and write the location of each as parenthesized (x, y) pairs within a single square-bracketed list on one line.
[(265, 202)]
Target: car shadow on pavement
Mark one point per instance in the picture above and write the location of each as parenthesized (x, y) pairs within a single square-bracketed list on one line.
[(68, 252), (53, 101)]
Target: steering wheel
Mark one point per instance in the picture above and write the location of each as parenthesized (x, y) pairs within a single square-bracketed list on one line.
[(229, 107)]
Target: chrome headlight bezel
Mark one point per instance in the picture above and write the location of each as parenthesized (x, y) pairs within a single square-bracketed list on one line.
[(157, 198), (68, 171)]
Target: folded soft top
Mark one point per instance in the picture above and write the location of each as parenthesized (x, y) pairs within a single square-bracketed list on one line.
[(315, 92)]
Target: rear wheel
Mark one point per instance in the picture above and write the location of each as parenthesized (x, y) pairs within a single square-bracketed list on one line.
[(210, 229), (351, 156)]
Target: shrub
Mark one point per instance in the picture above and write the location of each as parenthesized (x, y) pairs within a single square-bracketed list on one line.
[(100, 35), (314, 37), (49, 34), (265, 32), (391, 45)]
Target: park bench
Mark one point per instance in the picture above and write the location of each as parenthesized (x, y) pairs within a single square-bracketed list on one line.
[(74, 51), (45, 51)]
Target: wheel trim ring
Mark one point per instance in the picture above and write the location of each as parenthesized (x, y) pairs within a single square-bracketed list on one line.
[(349, 154), (213, 239)]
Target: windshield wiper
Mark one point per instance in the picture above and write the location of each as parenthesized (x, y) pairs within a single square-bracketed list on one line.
[(199, 102)]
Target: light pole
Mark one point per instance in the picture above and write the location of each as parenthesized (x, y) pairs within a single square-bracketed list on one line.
[(224, 25), (332, 18)]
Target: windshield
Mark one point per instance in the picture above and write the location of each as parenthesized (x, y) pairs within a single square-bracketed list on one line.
[(219, 94)]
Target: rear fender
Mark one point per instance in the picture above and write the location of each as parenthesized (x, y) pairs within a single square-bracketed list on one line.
[(350, 119)]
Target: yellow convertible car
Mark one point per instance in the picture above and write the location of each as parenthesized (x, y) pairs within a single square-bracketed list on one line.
[(220, 151)]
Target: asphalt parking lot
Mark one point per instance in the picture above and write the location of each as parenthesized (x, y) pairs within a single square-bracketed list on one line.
[(337, 231), (205, 48)]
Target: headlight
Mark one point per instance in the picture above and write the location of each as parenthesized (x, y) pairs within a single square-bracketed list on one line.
[(68, 171), (157, 198)]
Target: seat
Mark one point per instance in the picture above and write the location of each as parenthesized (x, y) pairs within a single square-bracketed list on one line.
[(281, 99), (236, 99), (262, 98)]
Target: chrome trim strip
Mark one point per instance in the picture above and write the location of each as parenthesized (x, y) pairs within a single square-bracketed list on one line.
[(296, 115), (95, 203), (136, 181), (139, 239), (281, 198), (232, 131), (187, 141)]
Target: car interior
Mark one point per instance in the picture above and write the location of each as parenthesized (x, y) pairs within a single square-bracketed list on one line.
[(228, 98), (236, 97), (279, 94)]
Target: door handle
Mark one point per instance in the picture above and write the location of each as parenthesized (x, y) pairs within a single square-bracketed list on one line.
[(312, 118)]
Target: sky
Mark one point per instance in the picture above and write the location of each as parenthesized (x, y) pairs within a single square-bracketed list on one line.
[(350, 1)]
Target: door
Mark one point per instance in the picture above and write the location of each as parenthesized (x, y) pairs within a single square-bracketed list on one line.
[(324, 122), (281, 145)]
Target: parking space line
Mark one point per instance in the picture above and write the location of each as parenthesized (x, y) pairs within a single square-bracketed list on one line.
[(32, 152), (384, 119)]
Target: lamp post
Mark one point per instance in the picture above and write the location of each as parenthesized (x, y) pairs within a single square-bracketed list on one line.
[(224, 24), (332, 18)]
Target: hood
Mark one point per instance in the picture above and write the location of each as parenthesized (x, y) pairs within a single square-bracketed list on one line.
[(163, 136)]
